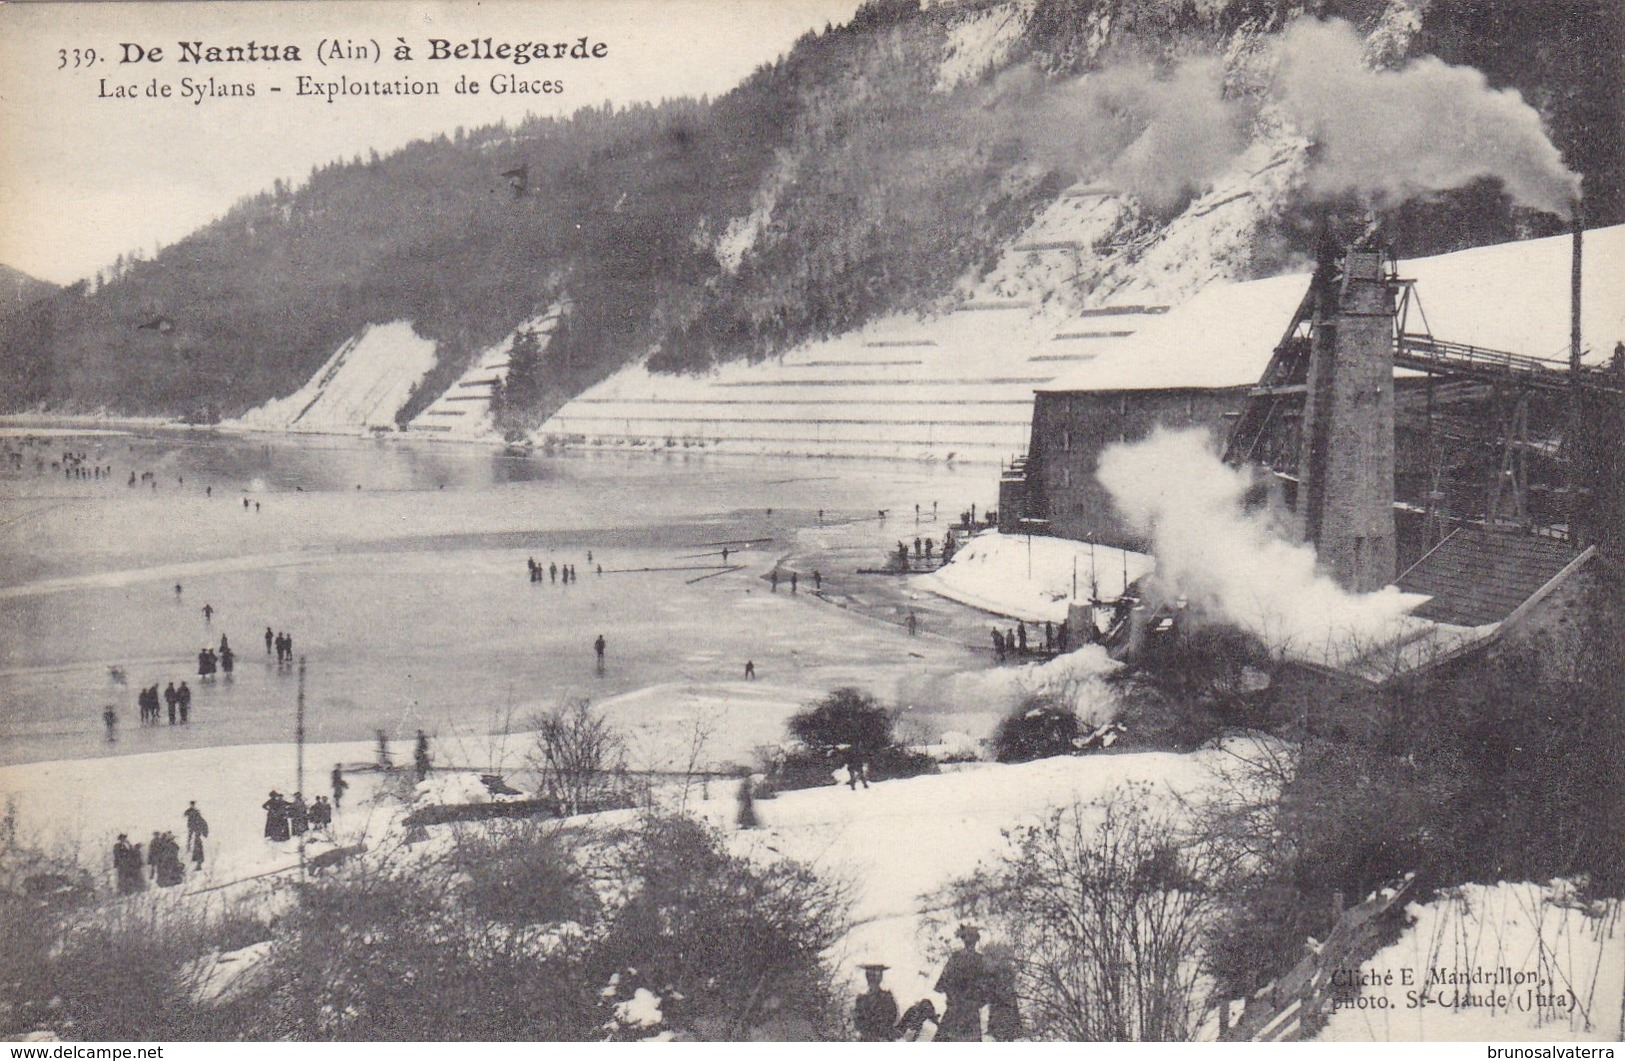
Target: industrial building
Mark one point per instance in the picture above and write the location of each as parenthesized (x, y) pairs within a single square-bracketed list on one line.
[(1424, 423)]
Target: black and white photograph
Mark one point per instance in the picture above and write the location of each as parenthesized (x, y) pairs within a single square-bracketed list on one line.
[(812, 520)]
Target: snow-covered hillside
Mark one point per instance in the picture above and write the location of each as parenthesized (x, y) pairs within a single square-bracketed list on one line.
[(1086, 273), (363, 385), (464, 410)]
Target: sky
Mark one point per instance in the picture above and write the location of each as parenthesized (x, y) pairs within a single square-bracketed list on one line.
[(86, 175)]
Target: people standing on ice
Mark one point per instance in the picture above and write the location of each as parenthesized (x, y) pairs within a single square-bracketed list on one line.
[(171, 698), (420, 756), (269, 637), (164, 856), (298, 815), (1021, 636), (110, 720), (750, 670), (339, 784), (964, 982), (724, 554), (287, 646), (225, 645), (818, 581), (196, 829), (321, 814), (384, 761), (913, 623), (127, 865), (553, 571), (794, 580), (276, 817), (598, 649), (530, 564), (183, 699), (998, 645), (773, 579), (177, 591), (208, 612), (875, 1013), (227, 657)]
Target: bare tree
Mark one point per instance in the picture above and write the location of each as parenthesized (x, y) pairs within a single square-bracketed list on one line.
[(577, 753), (1106, 905)]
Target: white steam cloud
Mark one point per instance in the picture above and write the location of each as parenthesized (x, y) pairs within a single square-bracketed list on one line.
[(1160, 136), (1077, 678), (1163, 135), (1231, 562), (1425, 127)]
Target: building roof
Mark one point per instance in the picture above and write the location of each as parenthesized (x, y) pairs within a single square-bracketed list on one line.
[(1511, 296)]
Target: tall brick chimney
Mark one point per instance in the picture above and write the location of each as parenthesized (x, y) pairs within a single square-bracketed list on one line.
[(1346, 468)]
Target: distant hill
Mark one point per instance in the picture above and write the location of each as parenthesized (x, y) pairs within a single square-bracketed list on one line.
[(877, 168), (18, 289)]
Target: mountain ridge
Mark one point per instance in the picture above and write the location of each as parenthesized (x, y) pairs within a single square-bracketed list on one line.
[(878, 168)]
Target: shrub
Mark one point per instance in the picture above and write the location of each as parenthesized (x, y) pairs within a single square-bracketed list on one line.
[(846, 718), (726, 941), (1039, 727)]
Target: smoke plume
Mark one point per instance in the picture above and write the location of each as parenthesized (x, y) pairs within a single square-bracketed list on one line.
[(1164, 135), (1424, 127), (1159, 136), (1232, 562)]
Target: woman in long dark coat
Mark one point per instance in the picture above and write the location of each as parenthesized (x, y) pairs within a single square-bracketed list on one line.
[(276, 817)]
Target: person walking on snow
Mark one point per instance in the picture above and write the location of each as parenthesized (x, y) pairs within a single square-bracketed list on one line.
[(196, 829)]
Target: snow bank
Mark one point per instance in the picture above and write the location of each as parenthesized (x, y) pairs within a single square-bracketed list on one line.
[(1032, 578), (1500, 962), (363, 385)]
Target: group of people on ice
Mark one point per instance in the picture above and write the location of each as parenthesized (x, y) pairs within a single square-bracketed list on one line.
[(1015, 644), (208, 661), (285, 818), (178, 699), (281, 643), (555, 571), (162, 862), (970, 984)]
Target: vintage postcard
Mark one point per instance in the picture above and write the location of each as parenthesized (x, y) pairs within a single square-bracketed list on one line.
[(766, 520)]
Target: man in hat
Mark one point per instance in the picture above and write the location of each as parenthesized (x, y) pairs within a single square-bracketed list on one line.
[(964, 983), (875, 1013)]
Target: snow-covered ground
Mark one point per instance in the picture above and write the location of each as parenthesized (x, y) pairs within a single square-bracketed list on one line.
[(1034, 577), (1509, 961), (363, 385)]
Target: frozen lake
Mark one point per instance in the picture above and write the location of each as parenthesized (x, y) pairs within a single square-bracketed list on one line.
[(400, 570)]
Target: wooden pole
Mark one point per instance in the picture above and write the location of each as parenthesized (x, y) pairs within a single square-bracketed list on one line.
[(299, 761), (1576, 424)]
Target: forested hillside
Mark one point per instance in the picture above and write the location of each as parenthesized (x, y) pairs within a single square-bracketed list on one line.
[(870, 171)]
